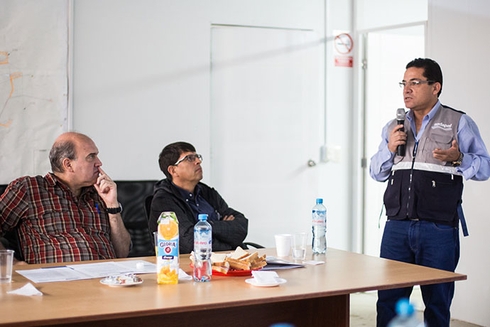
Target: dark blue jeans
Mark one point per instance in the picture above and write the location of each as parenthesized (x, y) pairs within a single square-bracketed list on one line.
[(427, 244)]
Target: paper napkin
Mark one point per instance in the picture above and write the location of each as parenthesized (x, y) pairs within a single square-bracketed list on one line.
[(26, 290), (265, 277), (183, 275)]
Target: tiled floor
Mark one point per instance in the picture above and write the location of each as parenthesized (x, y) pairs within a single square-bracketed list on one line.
[(363, 310)]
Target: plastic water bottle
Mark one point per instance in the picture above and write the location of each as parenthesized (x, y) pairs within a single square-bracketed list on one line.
[(319, 227), (203, 242), (405, 315)]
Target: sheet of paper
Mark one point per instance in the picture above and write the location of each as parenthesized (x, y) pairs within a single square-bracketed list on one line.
[(87, 271), (52, 274)]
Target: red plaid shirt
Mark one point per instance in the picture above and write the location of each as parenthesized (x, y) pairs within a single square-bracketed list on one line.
[(53, 225)]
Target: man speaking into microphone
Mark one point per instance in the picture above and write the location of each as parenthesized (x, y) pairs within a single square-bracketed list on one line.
[(425, 185)]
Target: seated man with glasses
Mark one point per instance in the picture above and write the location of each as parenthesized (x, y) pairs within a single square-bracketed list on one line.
[(183, 193)]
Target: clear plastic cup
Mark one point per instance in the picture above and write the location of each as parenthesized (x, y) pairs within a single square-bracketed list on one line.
[(6, 263)]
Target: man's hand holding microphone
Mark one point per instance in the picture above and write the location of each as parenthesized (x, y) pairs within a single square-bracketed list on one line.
[(398, 137)]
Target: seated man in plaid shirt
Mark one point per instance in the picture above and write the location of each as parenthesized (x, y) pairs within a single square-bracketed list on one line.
[(71, 214)]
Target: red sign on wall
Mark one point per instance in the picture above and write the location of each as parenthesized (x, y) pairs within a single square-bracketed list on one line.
[(344, 61), (343, 45)]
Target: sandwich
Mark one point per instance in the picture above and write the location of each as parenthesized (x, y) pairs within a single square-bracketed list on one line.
[(237, 260), (242, 260)]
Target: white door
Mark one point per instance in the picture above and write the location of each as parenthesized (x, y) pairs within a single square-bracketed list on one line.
[(387, 54), (266, 121)]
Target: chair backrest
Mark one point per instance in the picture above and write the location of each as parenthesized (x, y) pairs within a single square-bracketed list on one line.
[(148, 200), (132, 195), (11, 240)]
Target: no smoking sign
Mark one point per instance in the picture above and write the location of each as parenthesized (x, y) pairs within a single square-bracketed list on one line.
[(343, 45)]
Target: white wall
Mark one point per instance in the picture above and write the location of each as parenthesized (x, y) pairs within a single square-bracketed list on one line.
[(141, 71), (457, 40), (373, 14)]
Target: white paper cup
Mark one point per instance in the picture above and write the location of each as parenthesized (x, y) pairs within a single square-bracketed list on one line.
[(299, 246), (6, 262), (283, 244)]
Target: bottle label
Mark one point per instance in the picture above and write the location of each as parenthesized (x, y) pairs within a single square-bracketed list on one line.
[(203, 243), (202, 254), (319, 218)]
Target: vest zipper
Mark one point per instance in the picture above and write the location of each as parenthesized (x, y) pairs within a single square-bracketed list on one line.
[(414, 154)]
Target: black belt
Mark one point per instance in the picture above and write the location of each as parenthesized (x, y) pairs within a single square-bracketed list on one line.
[(407, 219)]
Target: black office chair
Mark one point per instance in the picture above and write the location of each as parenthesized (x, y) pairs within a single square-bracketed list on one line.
[(245, 245), (11, 240), (131, 195), (147, 211), (148, 200)]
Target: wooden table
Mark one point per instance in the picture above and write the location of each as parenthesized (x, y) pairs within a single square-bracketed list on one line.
[(313, 296)]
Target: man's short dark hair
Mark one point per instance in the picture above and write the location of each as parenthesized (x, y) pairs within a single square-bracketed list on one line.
[(432, 70), (171, 153), (60, 151)]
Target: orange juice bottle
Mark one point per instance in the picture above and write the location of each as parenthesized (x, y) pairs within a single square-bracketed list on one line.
[(167, 248)]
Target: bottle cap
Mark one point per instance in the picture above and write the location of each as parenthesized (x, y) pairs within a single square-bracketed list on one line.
[(319, 201), (202, 216), (404, 307)]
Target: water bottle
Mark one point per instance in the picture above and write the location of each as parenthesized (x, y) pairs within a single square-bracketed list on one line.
[(203, 242), (405, 315), (319, 227)]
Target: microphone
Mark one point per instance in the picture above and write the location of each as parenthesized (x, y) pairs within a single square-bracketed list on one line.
[(400, 119)]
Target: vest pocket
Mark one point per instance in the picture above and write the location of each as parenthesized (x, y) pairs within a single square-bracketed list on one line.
[(438, 196), (392, 196), (441, 139)]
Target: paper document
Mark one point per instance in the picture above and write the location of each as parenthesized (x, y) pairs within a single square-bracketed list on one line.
[(87, 271), (274, 263)]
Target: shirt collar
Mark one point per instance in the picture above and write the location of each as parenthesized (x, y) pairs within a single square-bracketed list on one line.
[(189, 195), (52, 180), (425, 120), (430, 115)]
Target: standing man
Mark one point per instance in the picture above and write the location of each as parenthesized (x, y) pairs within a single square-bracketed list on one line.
[(425, 186), (183, 193), (71, 214)]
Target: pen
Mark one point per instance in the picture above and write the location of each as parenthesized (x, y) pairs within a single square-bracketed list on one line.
[(97, 207)]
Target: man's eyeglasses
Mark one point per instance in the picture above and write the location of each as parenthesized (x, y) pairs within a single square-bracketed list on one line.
[(414, 83), (190, 158)]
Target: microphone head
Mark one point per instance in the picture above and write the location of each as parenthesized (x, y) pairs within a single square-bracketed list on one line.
[(400, 114)]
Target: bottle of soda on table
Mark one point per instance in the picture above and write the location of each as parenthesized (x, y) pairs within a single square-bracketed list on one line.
[(319, 227), (203, 242)]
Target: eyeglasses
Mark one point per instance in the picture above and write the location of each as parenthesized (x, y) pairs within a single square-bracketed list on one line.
[(414, 83), (189, 158)]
